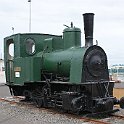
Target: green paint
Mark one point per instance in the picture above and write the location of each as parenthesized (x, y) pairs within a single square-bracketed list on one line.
[(61, 55)]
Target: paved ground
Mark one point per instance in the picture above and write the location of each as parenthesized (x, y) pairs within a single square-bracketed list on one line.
[(2, 77), (119, 85), (4, 91)]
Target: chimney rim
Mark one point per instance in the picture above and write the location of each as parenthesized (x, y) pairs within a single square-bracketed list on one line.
[(88, 14)]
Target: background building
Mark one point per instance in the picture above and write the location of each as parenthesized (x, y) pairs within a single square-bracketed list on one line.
[(1, 65), (117, 73), (2, 72)]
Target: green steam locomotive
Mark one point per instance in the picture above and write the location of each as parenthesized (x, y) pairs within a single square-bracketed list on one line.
[(55, 71)]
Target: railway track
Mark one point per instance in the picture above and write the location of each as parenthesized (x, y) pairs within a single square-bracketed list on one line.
[(117, 116), (94, 121), (12, 100), (104, 121), (16, 100)]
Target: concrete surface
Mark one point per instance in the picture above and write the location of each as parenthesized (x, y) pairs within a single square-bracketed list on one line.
[(4, 91), (2, 77), (119, 85)]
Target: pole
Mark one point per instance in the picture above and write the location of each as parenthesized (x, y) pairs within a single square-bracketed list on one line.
[(29, 15), (12, 30), (1, 57)]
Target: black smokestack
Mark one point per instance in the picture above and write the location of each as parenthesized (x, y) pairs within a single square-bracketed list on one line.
[(88, 28)]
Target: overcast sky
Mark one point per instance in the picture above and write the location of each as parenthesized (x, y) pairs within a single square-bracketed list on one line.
[(48, 16)]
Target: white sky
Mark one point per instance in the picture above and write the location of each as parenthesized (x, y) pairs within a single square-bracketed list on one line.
[(48, 16)]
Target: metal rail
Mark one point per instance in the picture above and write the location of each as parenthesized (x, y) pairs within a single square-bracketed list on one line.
[(118, 116), (94, 121)]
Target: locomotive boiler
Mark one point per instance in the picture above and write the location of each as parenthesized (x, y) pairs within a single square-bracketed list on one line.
[(55, 71)]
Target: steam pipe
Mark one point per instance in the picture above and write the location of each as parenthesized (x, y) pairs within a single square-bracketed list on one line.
[(88, 28)]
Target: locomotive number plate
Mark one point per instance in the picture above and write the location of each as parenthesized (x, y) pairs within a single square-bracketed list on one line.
[(17, 69)]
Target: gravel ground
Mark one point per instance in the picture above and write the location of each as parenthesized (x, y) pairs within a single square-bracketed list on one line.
[(31, 115)]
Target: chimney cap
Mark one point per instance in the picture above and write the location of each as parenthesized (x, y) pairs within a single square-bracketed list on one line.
[(88, 14)]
